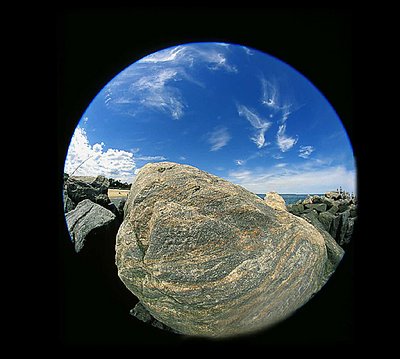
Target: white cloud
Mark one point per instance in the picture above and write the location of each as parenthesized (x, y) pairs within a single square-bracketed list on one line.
[(260, 125), (281, 165), (150, 158), (91, 160), (305, 151), (284, 180), (218, 138), (284, 142)]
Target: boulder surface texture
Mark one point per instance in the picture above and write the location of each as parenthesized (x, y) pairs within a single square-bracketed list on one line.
[(209, 258), (86, 218)]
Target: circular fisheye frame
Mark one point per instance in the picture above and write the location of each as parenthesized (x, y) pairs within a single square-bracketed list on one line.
[(225, 182)]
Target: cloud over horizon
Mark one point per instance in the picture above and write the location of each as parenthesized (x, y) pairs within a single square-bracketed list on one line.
[(284, 180), (84, 159)]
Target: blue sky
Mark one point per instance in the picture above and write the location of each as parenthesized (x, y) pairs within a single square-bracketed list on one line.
[(227, 109)]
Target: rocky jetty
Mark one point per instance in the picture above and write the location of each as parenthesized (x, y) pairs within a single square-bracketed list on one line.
[(335, 212), (88, 209), (208, 258)]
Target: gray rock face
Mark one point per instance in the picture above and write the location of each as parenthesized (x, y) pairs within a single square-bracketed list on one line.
[(93, 188), (85, 218), (206, 257)]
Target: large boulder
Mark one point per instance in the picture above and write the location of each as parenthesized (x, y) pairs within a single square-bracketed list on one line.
[(208, 258), (86, 218), (275, 201), (88, 187)]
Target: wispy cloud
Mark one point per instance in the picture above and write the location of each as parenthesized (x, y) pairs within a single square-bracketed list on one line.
[(146, 87), (248, 51), (260, 125), (269, 95), (240, 162), (305, 151), (279, 105), (277, 156), (218, 138), (166, 55), (286, 180), (284, 142), (92, 160), (214, 56), (151, 83)]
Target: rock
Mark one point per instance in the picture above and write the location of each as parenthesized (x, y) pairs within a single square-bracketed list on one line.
[(353, 210), (120, 208), (326, 218), (343, 227), (320, 207), (335, 253), (86, 218), (275, 201), (85, 187), (334, 209), (312, 217), (208, 258), (328, 201), (296, 208), (343, 205), (334, 228), (333, 195), (68, 204), (350, 229), (316, 199), (141, 313), (307, 200)]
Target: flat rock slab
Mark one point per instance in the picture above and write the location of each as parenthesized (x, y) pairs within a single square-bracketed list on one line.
[(85, 218), (208, 258)]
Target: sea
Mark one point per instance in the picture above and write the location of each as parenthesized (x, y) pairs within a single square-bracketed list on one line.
[(291, 197)]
